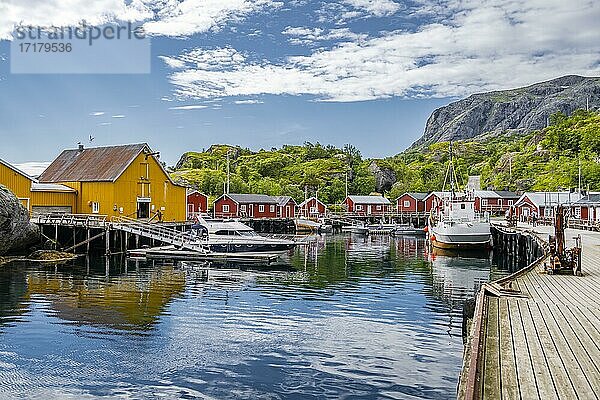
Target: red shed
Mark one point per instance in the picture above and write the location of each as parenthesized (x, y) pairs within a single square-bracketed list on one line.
[(286, 207), (235, 205), (367, 205), (494, 202), (588, 208), (411, 203), (543, 203), (197, 203), (312, 208), (432, 199)]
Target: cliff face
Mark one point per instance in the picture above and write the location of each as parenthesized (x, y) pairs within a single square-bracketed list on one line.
[(519, 110), (16, 232)]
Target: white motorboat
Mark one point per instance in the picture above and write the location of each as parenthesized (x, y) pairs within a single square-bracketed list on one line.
[(408, 230), (230, 236), (453, 222)]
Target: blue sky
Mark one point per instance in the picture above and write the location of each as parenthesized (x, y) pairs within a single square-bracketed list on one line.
[(264, 73)]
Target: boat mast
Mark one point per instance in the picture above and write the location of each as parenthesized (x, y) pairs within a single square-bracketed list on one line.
[(450, 173)]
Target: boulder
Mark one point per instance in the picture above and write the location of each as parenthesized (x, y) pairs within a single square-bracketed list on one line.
[(16, 231)]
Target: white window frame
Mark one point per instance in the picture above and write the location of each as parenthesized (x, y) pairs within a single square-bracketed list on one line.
[(95, 207), (359, 207), (499, 202), (379, 207), (578, 212), (243, 208), (261, 208), (484, 202), (510, 203), (406, 204), (225, 208), (314, 210), (271, 208)]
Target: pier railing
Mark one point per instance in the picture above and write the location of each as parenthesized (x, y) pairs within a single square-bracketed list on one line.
[(71, 220), (158, 232)]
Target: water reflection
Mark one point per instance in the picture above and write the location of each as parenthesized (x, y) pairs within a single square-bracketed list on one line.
[(345, 316)]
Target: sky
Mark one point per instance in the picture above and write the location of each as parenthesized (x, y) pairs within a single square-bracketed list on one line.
[(265, 73)]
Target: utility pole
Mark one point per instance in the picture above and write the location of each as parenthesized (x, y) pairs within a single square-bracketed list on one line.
[(510, 167), (227, 171), (580, 176), (346, 182)]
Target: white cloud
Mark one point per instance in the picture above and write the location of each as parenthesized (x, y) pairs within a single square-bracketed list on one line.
[(97, 113), (378, 8), (118, 116), (105, 124), (249, 101), (194, 16), (191, 107), (68, 13), (160, 17), (472, 48), (304, 35)]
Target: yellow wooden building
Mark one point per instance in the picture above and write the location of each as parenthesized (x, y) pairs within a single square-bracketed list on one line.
[(35, 196), (125, 180)]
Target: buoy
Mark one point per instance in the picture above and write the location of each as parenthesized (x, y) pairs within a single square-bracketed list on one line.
[(426, 229), (433, 238)]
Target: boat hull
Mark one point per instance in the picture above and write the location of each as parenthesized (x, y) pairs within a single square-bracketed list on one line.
[(251, 248), (461, 237)]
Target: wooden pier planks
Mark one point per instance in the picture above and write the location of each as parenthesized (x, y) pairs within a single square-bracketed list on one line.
[(547, 345)]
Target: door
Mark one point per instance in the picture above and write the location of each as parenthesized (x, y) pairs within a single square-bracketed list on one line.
[(143, 208), (287, 211), (369, 209), (251, 210)]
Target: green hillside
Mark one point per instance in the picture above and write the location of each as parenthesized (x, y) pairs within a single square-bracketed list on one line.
[(542, 160), (291, 170)]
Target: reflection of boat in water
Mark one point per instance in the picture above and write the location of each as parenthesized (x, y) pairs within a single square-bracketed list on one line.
[(360, 230), (236, 237), (408, 230), (454, 223), (459, 277)]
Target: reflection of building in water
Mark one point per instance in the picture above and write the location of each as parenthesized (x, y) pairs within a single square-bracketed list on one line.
[(457, 278), (127, 302), (410, 246)]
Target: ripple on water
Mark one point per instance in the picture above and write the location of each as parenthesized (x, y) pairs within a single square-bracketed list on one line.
[(359, 318)]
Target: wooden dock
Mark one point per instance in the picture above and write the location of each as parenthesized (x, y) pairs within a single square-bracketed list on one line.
[(540, 338)]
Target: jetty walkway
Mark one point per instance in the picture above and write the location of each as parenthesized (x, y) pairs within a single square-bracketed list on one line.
[(537, 336)]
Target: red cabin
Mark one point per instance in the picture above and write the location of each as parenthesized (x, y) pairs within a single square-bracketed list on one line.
[(432, 199), (286, 207), (494, 202), (543, 204), (197, 203), (411, 203), (312, 208), (245, 206), (587, 209), (367, 205)]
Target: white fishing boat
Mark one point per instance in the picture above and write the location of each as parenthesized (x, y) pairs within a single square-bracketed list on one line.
[(453, 222), (230, 236)]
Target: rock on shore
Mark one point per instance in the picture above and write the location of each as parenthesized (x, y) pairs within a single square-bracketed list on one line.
[(16, 231)]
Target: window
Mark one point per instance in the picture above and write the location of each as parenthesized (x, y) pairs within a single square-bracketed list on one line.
[(463, 206), (272, 208), (243, 208), (358, 207), (261, 208), (578, 212), (225, 208), (95, 207), (313, 210), (379, 207), (500, 202), (406, 203), (510, 202), (484, 202)]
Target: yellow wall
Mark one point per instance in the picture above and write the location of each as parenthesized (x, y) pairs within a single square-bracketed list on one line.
[(15, 182), (125, 191), (56, 199)]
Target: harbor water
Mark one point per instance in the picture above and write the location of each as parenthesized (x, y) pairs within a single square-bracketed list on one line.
[(345, 317)]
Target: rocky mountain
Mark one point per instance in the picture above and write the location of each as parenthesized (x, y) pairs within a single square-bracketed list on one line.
[(16, 231), (519, 110)]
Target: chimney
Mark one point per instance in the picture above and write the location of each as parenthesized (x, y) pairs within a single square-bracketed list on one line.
[(80, 147)]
